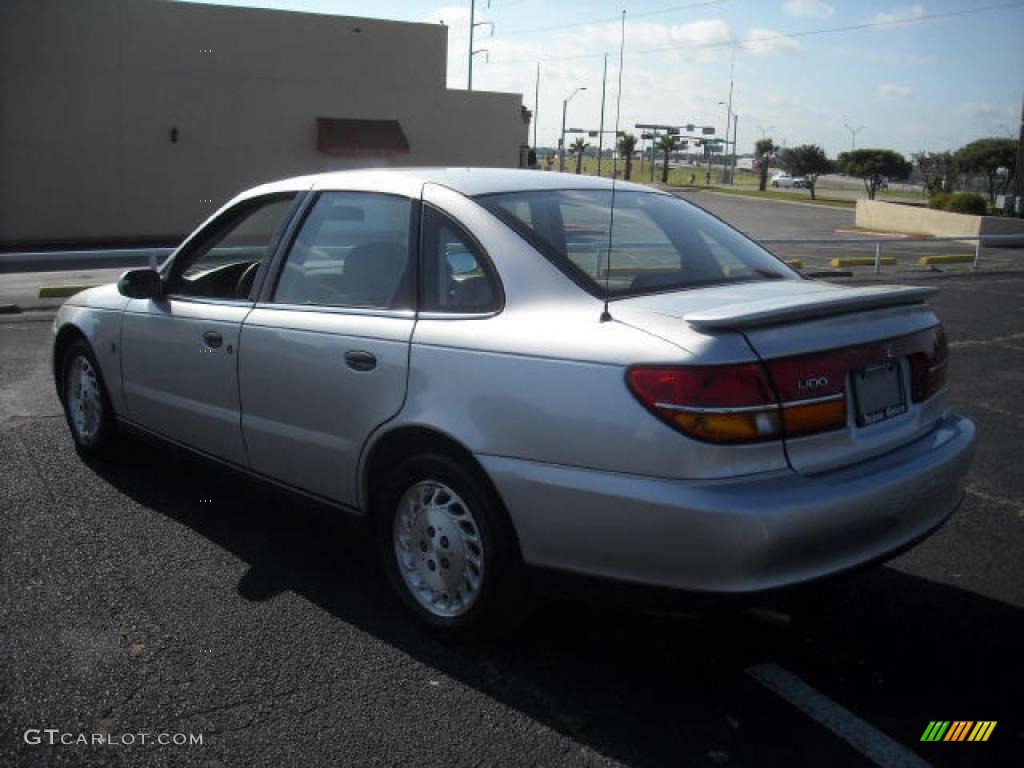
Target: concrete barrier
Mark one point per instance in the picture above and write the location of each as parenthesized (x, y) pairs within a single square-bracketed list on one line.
[(893, 217), (58, 261)]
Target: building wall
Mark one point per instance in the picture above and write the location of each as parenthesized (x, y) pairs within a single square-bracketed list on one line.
[(90, 90)]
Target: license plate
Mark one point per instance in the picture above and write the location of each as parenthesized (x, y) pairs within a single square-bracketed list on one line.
[(878, 393)]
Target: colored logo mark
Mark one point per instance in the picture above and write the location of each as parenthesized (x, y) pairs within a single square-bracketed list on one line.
[(958, 730)]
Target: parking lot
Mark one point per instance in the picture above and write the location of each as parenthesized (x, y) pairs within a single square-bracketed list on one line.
[(160, 594), (835, 235)]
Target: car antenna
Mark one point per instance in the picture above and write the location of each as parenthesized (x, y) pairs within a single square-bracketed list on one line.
[(606, 315)]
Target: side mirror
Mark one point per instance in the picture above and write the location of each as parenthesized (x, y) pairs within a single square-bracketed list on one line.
[(140, 284)]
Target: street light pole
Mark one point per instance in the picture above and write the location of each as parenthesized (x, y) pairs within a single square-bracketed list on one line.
[(561, 143), (728, 115), (853, 134)]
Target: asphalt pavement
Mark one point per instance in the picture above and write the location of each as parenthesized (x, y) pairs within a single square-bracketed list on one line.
[(159, 594), (776, 220)]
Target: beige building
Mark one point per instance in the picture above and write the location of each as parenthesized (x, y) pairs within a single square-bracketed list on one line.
[(134, 119)]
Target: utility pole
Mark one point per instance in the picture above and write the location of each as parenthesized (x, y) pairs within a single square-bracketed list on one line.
[(536, 107), (1018, 175), (600, 131), (473, 24), (728, 118), (654, 138), (853, 134), (472, 28), (735, 124)]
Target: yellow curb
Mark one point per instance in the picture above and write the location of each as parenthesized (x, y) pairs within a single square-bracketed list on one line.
[(861, 261), (947, 258), (795, 263), (61, 291)]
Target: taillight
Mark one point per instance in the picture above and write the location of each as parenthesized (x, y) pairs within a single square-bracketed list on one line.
[(714, 403), (812, 389), (928, 366), (786, 397)]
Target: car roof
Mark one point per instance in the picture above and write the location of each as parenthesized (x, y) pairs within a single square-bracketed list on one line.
[(468, 181)]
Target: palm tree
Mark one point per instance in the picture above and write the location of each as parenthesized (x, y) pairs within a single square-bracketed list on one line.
[(764, 153), (626, 146), (666, 144), (577, 148)]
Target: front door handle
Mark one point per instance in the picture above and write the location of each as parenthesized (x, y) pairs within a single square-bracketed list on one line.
[(213, 339), (360, 360)]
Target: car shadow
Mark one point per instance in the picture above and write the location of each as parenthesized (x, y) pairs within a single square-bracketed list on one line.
[(639, 688)]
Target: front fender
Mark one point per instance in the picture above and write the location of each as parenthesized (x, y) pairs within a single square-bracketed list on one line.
[(97, 319)]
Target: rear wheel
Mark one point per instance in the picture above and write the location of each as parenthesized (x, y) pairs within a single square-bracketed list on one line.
[(448, 548), (86, 404)]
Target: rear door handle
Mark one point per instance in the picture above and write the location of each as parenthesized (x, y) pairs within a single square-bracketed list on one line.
[(360, 360), (213, 339)]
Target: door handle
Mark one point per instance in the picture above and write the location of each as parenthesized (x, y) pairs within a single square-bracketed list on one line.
[(360, 360), (213, 339)]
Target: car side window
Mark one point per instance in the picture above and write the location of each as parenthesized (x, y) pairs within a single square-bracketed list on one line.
[(222, 262), (353, 250), (457, 277)]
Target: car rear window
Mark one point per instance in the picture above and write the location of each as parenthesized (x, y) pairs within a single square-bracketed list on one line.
[(655, 242)]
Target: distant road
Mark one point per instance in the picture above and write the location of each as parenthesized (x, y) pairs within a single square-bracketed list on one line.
[(770, 218)]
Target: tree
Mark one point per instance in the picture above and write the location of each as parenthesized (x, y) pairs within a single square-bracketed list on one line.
[(988, 156), (764, 152), (666, 144), (873, 166), (626, 146), (939, 170), (577, 148), (807, 160)]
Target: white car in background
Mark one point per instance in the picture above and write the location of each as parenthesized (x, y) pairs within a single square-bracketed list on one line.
[(785, 181)]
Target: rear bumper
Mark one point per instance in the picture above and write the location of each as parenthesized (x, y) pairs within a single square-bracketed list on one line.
[(738, 535)]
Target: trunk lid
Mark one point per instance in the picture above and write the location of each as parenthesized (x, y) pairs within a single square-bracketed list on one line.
[(863, 349)]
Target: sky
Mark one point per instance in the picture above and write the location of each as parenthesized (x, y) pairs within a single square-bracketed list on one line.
[(908, 76)]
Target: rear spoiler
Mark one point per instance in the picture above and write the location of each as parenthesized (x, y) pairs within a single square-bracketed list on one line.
[(834, 302)]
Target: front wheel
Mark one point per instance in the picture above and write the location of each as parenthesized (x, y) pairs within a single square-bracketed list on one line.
[(86, 404), (448, 547)]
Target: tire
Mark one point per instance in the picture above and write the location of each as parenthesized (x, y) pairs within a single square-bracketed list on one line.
[(86, 404), (449, 549)]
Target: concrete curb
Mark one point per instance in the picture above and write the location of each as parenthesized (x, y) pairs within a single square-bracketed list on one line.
[(947, 258), (861, 261)]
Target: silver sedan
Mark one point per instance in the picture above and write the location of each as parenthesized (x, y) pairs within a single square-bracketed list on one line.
[(512, 370)]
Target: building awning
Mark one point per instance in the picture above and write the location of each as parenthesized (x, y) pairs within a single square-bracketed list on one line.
[(360, 138)]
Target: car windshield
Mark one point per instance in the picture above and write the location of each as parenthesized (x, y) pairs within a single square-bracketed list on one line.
[(657, 243)]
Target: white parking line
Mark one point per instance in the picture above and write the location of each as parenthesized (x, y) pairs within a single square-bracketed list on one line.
[(866, 739)]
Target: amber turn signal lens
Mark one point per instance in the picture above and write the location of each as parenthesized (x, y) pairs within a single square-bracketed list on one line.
[(815, 417), (729, 427)]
